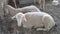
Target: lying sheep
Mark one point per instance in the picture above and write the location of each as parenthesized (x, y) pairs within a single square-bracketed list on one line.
[(36, 19), (14, 11)]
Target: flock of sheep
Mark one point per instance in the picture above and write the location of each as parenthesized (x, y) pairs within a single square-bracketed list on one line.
[(34, 17), (31, 16)]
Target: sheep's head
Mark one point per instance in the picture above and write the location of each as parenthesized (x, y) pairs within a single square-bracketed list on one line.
[(19, 17)]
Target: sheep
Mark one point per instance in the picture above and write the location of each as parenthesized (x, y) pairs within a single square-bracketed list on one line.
[(36, 19), (14, 11)]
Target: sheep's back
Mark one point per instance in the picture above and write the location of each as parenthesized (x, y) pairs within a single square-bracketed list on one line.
[(34, 19)]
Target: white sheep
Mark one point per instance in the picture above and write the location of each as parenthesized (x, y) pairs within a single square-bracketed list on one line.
[(14, 11), (36, 19)]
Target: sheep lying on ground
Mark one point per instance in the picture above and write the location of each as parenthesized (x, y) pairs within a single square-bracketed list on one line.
[(36, 19), (14, 11)]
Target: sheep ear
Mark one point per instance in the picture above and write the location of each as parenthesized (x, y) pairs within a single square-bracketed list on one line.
[(24, 17), (13, 17)]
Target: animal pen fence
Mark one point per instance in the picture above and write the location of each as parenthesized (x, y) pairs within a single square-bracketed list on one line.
[(7, 26)]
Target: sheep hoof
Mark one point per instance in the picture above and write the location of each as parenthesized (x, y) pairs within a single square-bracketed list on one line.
[(33, 28), (55, 25)]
